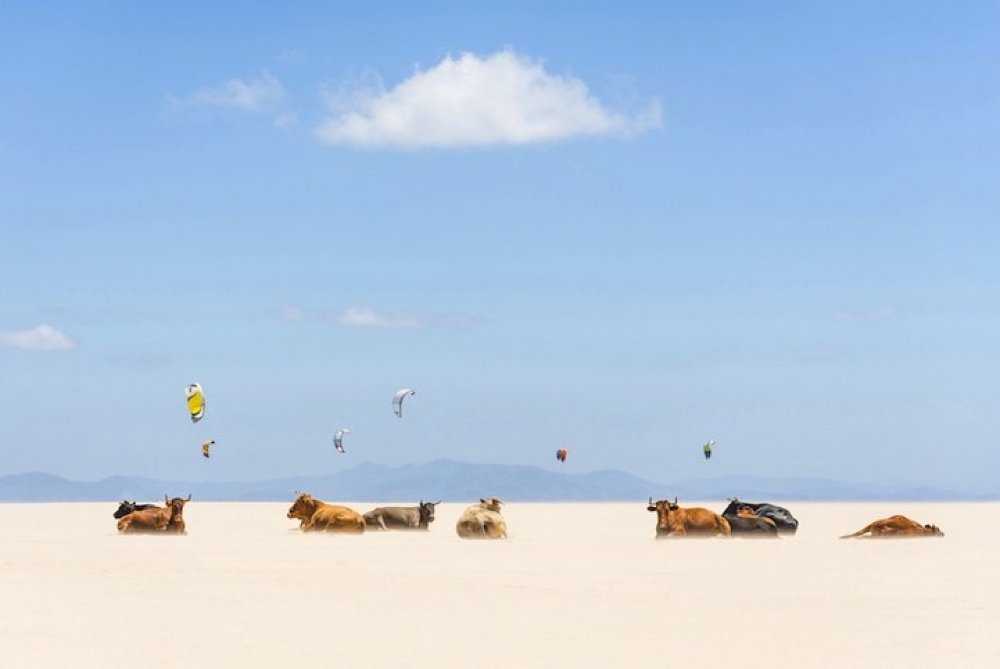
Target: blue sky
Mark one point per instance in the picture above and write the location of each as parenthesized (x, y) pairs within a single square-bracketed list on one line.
[(626, 231)]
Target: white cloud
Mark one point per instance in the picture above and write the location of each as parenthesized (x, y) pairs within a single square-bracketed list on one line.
[(262, 93), (362, 317), (39, 338), (471, 101)]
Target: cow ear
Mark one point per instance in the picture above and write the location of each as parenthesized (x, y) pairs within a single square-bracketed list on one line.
[(482, 501)]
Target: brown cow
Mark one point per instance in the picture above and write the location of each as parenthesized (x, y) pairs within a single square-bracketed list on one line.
[(896, 527), (673, 521), (177, 524), (317, 515), (156, 519)]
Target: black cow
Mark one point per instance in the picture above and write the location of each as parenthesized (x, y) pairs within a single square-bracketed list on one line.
[(127, 507), (402, 517), (784, 520)]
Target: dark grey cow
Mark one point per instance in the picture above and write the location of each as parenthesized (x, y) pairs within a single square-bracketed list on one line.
[(401, 517), (783, 519), (127, 507)]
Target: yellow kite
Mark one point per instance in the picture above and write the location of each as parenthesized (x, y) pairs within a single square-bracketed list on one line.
[(196, 401)]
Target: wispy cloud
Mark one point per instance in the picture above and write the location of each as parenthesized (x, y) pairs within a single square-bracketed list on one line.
[(39, 338), (469, 100), (256, 94), (366, 317), (874, 315), (285, 120), (292, 56), (361, 317), (292, 313)]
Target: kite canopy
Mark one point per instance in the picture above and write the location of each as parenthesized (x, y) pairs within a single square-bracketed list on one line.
[(206, 446), (338, 439), (561, 454), (707, 448), (397, 400), (195, 401)]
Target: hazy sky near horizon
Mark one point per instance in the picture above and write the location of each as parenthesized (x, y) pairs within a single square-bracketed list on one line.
[(625, 230)]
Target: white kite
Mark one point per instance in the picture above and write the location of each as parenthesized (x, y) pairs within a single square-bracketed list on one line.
[(397, 400), (338, 439)]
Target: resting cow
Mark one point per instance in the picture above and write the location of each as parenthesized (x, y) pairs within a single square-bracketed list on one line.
[(746, 522), (482, 521), (318, 516), (156, 519), (127, 507), (402, 517), (673, 521), (896, 527), (783, 520)]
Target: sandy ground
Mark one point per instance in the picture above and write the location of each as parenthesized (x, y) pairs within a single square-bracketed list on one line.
[(582, 585)]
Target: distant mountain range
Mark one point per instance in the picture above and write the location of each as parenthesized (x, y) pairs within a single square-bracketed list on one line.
[(462, 481)]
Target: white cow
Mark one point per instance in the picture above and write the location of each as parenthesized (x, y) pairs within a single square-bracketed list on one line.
[(482, 521)]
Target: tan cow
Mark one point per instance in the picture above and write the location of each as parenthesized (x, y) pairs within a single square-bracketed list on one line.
[(896, 527), (318, 516), (673, 521), (747, 512), (156, 519), (482, 521)]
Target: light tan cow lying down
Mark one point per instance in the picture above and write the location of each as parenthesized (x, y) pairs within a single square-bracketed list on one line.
[(482, 521), (747, 512), (896, 527), (319, 516)]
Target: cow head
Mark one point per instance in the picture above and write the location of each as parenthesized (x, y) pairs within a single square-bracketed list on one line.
[(303, 507), (933, 530), (176, 506), (491, 503), (427, 512), (663, 509), (664, 504), (125, 508)]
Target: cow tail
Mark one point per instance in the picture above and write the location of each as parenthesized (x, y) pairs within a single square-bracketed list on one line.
[(866, 528), (724, 527)]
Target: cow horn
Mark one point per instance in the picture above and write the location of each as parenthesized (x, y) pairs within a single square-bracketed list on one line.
[(166, 500), (651, 500), (675, 500), (189, 498)]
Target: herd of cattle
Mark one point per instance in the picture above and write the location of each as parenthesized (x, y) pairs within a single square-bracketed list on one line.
[(483, 520)]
